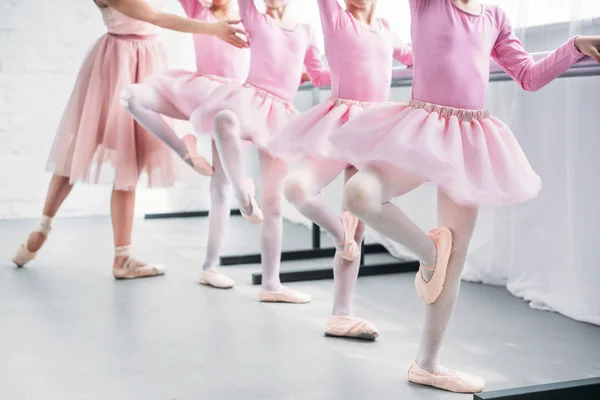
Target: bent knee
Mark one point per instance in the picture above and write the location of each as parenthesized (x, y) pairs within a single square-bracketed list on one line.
[(220, 191), (126, 97), (225, 121), (296, 189), (360, 198)]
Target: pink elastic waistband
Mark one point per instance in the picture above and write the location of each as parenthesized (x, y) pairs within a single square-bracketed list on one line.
[(133, 37), (288, 104), (445, 112), (217, 78), (339, 101)]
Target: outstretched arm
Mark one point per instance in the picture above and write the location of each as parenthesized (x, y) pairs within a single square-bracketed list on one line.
[(532, 75), (140, 10), (402, 51), (316, 70)]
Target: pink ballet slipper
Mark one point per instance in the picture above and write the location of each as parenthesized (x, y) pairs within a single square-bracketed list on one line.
[(132, 269), (211, 277), (350, 250), (351, 327), (257, 215), (23, 255), (447, 379), (199, 163), (283, 295), (430, 290)]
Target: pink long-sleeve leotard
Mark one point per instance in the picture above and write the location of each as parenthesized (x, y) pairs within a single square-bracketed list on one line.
[(278, 54), (452, 61), (264, 103), (213, 55), (444, 135), (360, 59), (359, 56)]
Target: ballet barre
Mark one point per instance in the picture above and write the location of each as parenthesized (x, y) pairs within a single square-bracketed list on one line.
[(184, 214)]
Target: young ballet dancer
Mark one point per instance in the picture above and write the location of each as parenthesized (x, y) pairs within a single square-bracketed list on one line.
[(178, 93), (444, 136), (253, 112), (359, 49), (96, 133)]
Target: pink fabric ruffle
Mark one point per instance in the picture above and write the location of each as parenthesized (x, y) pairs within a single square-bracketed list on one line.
[(308, 134), (469, 154), (260, 113), (186, 90), (97, 141)]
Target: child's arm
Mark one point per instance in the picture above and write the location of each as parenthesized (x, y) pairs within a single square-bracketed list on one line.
[(192, 7), (248, 12), (532, 75), (316, 70), (140, 10), (419, 5), (402, 51), (331, 15)]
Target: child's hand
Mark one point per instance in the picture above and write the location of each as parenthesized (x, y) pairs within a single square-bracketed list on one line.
[(304, 78), (226, 31), (589, 46)]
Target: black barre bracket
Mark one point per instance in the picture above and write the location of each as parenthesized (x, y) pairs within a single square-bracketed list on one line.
[(316, 274), (184, 214), (584, 389), (295, 255), (327, 273)]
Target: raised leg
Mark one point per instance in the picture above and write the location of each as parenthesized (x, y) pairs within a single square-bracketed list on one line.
[(367, 195), (303, 188), (147, 106), (231, 153)]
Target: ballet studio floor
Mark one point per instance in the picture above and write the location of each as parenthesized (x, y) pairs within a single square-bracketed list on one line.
[(68, 331)]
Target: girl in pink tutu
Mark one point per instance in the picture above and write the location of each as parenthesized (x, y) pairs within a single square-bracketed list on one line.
[(178, 93), (253, 112), (444, 136), (359, 49), (96, 134)]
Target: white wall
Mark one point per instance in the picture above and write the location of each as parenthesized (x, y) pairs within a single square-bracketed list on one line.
[(42, 44)]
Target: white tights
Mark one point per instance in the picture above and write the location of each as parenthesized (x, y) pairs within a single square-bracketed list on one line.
[(367, 195), (272, 172), (145, 104), (303, 188)]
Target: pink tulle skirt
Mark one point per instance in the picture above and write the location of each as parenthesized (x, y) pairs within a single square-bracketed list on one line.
[(97, 141), (308, 134), (470, 155), (261, 114), (186, 90)]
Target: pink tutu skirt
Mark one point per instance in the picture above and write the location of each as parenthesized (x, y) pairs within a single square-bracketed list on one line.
[(308, 134), (97, 140), (260, 113), (470, 155), (186, 90)]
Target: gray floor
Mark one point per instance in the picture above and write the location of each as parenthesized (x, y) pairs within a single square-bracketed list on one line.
[(69, 331)]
